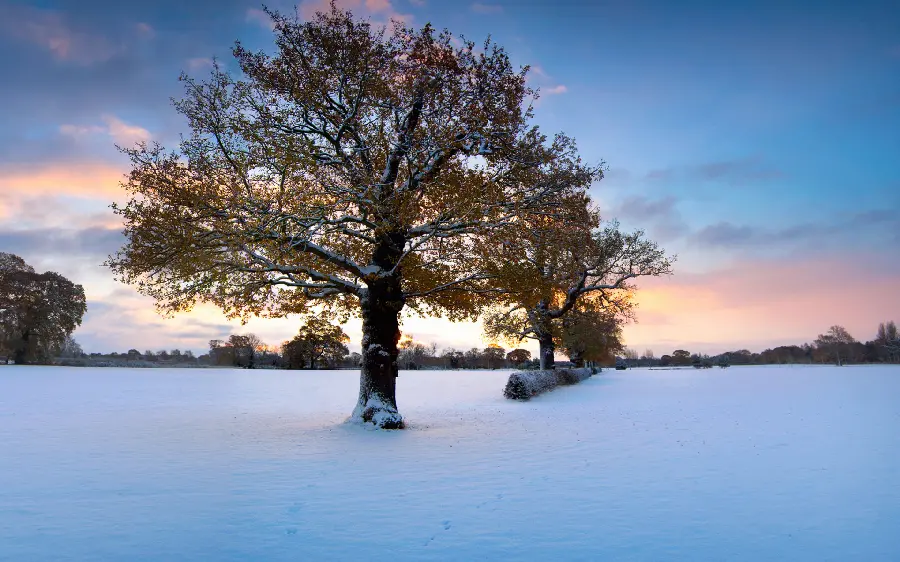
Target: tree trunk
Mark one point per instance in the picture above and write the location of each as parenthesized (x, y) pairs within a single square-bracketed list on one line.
[(20, 356), (577, 359), (381, 306), (547, 351)]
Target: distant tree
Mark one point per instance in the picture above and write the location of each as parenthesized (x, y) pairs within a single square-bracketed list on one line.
[(518, 356), (888, 338), (835, 342), (665, 360), (37, 310), (494, 356), (681, 357), (245, 349), (453, 359), (353, 360), (70, 348), (133, 354), (318, 341), (413, 354)]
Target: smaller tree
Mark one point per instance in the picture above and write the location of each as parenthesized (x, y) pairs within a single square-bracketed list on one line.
[(681, 357), (518, 356), (70, 348), (591, 334), (317, 342), (888, 338), (835, 343), (245, 349), (493, 356)]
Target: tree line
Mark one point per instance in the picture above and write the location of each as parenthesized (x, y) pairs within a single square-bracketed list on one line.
[(836, 346)]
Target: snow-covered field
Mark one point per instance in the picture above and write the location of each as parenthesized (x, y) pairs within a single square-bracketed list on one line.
[(748, 464)]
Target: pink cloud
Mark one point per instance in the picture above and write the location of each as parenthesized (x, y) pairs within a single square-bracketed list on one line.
[(145, 29), (260, 18), (49, 30), (378, 5), (486, 9)]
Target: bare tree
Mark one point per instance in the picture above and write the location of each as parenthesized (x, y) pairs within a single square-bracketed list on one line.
[(888, 337), (835, 341)]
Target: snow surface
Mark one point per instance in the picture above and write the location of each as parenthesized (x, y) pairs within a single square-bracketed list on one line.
[(751, 464)]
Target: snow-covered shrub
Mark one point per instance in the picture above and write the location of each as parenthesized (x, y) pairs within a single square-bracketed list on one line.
[(522, 385)]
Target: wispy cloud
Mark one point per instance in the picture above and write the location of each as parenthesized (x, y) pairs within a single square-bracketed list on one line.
[(145, 29), (259, 17), (660, 217), (486, 9), (124, 134), (198, 63), (540, 79), (555, 90), (50, 30), (725, 234), (377, 9), (733, 172)]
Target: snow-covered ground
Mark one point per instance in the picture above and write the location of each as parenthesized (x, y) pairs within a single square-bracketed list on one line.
[(748, 464)]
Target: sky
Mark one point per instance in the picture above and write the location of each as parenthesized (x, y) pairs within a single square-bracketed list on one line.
[(758, 141)]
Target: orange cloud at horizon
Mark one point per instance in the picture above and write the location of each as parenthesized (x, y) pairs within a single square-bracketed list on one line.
[(762, 303), (90, 179)]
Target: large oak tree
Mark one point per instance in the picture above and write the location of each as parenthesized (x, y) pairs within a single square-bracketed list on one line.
[(356, 167)]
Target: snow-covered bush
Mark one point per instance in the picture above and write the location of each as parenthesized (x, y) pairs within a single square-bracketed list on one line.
[(522, 385)]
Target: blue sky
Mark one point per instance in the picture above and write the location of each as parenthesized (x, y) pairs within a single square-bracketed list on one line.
[(758, 141)]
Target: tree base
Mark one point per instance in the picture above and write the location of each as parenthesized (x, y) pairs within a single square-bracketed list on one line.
[(378, 414)]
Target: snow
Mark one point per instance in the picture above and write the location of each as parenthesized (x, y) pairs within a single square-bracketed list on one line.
[(753, 463)]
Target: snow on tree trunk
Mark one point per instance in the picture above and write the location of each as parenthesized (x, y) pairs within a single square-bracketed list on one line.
[(377, 402), (20, 355)]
